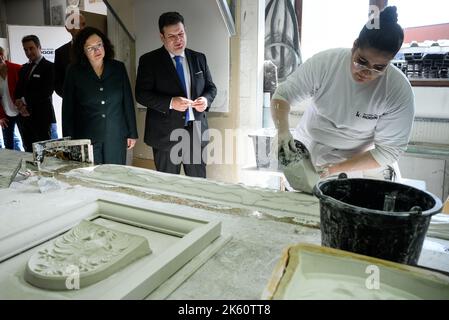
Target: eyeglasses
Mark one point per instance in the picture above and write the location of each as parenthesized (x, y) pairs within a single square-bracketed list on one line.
[(94, 48), (362, 67)]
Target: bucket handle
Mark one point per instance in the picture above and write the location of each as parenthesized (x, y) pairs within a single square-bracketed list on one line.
[(342, 176), (416, 211)]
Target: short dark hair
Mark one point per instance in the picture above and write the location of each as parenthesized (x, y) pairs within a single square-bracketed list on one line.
[(33, 38), (169, 19), (388, 37), (78, 55)]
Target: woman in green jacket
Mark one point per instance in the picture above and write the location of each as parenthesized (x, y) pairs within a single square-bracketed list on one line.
[(98, 102)]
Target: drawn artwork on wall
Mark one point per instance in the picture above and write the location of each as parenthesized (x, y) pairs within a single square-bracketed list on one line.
[(57, 15), (282, 35)]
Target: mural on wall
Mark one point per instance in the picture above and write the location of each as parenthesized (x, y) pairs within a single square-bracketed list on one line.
[(282, 36)]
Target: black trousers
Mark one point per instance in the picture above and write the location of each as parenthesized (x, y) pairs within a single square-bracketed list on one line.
[(110, 152), (33, 130), (165, 163), (188, 152)]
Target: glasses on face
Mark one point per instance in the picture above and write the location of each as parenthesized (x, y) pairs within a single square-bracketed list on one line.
[(174, 37), (92, 49), (362, 67)]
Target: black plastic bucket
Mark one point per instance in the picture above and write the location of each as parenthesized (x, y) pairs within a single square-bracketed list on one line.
[(377, 218)]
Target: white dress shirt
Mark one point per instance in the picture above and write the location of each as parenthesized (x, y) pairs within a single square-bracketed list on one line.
[(185, 66)]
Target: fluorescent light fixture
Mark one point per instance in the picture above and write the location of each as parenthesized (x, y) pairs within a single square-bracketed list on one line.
[(227, 16)]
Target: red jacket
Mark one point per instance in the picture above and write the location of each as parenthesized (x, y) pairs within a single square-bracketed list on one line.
[(13, 77)]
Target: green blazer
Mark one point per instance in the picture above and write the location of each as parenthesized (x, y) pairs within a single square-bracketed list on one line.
[(100, 109)]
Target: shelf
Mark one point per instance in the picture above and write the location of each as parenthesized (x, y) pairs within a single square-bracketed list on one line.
[(429, 82)]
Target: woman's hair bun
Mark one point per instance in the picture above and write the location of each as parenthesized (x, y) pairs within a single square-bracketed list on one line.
[(389, 15)]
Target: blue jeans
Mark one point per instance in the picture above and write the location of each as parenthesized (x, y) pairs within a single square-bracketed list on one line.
[(54, 131), (11, 136)]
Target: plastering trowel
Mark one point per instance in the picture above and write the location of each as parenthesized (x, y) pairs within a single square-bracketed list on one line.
[(299, 170)]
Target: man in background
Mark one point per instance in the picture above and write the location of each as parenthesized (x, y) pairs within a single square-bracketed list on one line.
[(34, 95), (9, 114), (74, 23)]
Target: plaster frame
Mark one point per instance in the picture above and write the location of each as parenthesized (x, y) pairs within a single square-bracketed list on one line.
[(349, 276), (134, 282)]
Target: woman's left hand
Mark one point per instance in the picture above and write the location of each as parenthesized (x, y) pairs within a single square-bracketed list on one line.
[(327, 170), (131, 143)]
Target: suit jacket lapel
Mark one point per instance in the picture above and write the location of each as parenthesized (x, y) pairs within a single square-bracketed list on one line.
[(169, 65)]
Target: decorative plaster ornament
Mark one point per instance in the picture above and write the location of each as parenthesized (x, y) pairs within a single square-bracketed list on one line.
[(86, 254)]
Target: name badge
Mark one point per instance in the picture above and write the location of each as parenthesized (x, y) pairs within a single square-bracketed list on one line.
[(36, 75)]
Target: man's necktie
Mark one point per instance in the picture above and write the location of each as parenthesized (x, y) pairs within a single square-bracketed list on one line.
[(180, 71), (31, 67)]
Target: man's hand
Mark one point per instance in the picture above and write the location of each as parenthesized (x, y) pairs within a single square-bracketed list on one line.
[(200, 104), (181, 104), (22, 108), (4, 123), (131, 143)]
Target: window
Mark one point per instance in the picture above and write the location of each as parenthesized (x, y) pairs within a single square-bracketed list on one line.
[(424, 57), (331, 24), (415, 13)]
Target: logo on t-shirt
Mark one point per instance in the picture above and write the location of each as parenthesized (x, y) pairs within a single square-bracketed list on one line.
[(367, 116)]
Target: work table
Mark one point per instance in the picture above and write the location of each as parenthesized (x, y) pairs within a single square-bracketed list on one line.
[(257, 224)]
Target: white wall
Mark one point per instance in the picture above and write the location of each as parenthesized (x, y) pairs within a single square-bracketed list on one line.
[(329, 24), (206, 32), (125, 11), (4, 44), (432, 102)]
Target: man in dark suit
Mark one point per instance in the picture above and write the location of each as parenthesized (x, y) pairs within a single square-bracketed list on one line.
[(9, 114), (74, 23), (34, 95), (175, 85)]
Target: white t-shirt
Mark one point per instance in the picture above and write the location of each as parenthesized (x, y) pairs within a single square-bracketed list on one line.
[(345, 117), (8, 104)]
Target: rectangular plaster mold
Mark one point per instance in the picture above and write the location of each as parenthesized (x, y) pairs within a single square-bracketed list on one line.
[(174, 241), (314, 272)]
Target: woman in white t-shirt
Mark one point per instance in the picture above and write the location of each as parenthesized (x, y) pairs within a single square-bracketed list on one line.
[(362, 107)]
